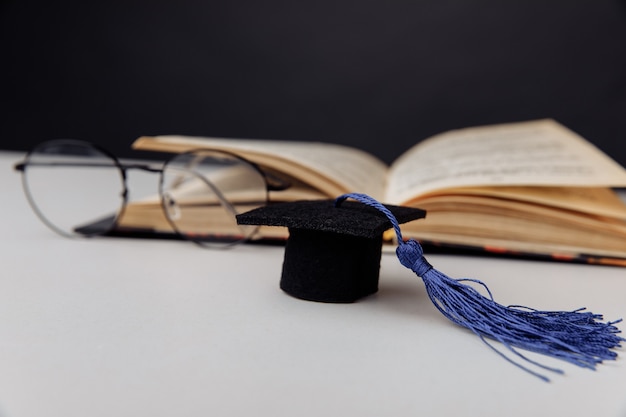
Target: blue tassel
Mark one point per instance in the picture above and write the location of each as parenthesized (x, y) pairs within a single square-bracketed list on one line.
[(577, 336)]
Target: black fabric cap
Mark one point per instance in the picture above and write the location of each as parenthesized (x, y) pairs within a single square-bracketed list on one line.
[(333, 253)]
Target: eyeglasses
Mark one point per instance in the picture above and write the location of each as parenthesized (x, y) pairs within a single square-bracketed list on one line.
[(79, 189)]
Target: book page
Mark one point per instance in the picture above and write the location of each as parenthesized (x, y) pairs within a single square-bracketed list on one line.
[(600, 201), (535, 153), (349, 169)]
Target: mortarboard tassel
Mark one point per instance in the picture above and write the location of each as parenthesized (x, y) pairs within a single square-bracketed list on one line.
[(576, 336)]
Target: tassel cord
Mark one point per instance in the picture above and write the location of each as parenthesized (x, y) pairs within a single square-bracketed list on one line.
[(523, 357)]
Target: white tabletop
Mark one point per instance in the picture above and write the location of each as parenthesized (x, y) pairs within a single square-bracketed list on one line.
[(131, 327)]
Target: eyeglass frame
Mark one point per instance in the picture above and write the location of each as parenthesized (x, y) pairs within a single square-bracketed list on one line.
[(272, 183)]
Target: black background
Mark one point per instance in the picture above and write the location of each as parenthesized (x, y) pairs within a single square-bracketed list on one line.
[(378, 75)]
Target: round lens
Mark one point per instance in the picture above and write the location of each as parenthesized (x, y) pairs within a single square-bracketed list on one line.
[(202, 192), (75, 188)]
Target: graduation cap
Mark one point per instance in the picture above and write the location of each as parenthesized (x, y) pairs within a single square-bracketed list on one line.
[(333, 254)]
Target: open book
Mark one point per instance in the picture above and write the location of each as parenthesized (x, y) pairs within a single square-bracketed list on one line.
[(530, 188)]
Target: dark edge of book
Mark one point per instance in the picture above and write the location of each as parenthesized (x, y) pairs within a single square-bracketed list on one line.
[(439, 248), (430, 247)]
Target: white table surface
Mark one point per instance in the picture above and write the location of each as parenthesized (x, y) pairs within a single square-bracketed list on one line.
[(130, 327)]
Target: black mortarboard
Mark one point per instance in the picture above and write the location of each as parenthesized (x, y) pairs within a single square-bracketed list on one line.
[(333, 253)]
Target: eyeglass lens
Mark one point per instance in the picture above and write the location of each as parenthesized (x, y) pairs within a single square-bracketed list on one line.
[(75, 188), (202, 191)]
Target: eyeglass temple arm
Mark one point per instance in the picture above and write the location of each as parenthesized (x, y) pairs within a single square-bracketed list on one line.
[(274, 182), (21, 166)]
